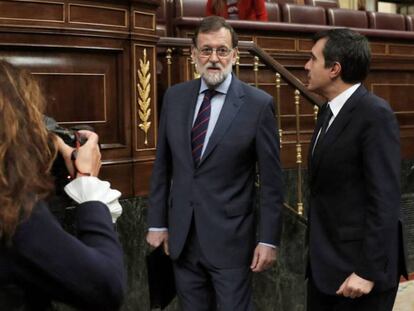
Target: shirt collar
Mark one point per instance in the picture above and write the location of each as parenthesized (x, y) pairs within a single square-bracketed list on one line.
[(339, 101), (222, 88)]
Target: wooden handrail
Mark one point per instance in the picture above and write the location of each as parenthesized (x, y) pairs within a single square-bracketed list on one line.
[(264, 57)]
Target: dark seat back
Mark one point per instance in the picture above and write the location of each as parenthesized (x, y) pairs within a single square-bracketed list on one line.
[(273, 11), (190, 8), (347, 18), (380, 20), (409, 19), (303, 14), (323, 3)]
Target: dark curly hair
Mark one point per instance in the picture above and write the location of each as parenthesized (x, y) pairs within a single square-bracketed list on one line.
[(27, 149)]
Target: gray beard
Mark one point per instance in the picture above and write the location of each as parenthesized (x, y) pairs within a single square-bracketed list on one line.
[(214, 79)]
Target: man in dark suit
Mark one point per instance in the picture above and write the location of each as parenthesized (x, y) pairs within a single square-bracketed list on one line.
[(355, 237), (212, 133)]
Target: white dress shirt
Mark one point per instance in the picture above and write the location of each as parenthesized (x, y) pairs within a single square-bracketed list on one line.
[(336, 105)]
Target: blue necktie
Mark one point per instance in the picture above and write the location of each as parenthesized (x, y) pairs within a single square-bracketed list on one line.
[(199, 130)]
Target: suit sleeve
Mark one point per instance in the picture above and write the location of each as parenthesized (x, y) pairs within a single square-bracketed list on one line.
[(271, 185), (261, 12), (381, 165), (86, 272), (161, 175)]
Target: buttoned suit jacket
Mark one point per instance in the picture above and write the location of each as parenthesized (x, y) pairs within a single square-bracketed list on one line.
[(219, 194), (354, 215)]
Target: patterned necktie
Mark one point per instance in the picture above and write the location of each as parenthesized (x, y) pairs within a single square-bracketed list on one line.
[(199, 130), (326, 118)]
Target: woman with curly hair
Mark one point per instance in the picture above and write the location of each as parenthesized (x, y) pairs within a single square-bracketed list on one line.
[(39, 261)]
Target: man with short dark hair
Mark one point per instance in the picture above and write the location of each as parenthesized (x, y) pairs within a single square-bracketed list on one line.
[(355, 237), (212, 133)]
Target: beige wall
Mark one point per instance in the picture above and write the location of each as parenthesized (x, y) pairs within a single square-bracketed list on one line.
[(387, 7), (348, 4)]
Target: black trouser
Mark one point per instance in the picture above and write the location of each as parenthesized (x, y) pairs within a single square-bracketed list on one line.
[(318, 301), (203, 287)]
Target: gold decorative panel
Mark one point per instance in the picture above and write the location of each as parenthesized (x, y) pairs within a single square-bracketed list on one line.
[(145, 98)]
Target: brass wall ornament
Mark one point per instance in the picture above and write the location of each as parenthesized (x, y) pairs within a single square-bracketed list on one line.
[(256, 70), (237, 65), (315, 112), (168, 56), (278, 110), (298, 154), (196, 74), (144, 99)]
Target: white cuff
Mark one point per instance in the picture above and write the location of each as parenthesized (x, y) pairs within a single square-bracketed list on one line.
[(153, 229), (267, 244), (87, 188)]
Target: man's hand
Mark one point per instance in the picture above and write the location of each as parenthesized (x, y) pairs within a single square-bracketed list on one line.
[(263, 258), (355, 286), (156, 238)]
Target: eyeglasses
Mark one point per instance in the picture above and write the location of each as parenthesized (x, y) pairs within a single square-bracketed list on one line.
[(221, 51)]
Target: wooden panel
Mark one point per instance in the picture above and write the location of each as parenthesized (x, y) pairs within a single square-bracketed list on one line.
[(401, 50), (245, 38), (400, 96), (87, 89), (81, 86), (121, 177), (84, 55), (378, 48), (276, 44), (142, 173), (144, 20), (32, 11), (97, 15), (305, 45)]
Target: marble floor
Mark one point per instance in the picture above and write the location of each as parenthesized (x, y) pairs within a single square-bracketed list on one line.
[(405, 297)]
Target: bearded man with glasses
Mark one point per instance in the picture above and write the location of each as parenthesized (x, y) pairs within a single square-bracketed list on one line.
[(213, 131)]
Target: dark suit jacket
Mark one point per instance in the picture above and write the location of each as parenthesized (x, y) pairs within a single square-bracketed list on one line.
[(45, 263), (355, 196), (220, 192)]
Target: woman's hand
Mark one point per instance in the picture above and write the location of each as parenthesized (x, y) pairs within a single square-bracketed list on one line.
[(88, 158)]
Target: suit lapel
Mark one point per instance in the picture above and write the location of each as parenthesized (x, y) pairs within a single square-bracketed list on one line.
[(232, 104), (336, 128), (190, 109)]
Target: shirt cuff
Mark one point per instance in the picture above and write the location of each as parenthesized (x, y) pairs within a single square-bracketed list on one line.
[(157, 229), (267, 244), (87, 188)]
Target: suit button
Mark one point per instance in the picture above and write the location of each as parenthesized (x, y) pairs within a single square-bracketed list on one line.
[(191, 203)]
